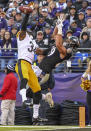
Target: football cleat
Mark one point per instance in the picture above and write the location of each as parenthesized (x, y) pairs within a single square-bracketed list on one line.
[(49, 99), (27, 103), (38, 121)]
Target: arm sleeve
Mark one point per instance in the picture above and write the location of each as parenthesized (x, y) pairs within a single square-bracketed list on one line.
[(24, 23)]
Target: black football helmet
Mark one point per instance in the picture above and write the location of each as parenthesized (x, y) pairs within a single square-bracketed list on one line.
[(74, 41)]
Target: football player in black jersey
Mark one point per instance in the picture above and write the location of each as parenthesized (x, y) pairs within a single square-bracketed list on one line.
[(57, 53)]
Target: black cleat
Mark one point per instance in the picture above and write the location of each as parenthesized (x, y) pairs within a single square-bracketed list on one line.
[(38, 121), (27, 103), (49, 99)]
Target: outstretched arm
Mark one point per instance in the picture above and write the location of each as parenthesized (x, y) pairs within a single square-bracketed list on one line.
[(42, 52), (59, 45), (58, 37), (24, 23), (22, 33)]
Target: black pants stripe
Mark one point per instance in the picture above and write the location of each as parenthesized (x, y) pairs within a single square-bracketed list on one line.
[(20, 70)]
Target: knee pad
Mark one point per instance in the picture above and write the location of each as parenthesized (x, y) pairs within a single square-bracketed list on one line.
[(23, 83), (37, 97)]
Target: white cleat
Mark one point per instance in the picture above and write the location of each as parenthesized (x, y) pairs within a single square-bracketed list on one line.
[(49, 99)]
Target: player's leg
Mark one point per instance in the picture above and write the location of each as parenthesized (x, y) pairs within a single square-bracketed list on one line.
[(37, 96), (22, 71), (36, 89)]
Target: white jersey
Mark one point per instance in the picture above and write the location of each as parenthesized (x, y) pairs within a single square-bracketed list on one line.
[(26, 48)]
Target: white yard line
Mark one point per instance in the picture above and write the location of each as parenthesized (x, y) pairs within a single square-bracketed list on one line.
[(44, 127)]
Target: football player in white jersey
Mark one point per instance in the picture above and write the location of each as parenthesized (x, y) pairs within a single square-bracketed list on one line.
[(26, 49)]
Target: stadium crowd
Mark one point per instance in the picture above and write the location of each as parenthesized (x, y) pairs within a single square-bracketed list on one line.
[(41, 24)]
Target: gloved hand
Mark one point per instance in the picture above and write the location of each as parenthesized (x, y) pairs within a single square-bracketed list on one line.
[(59, 24)]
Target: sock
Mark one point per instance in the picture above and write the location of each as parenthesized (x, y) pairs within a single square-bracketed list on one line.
[(23, 94), (43, 96), (36, 110)]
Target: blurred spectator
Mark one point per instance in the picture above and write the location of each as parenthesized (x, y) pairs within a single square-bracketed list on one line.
[(10, 22), (1, 9), (3, 3), (7, 51), (85, 40), (3, 23), (43, 3), (2, 32), (13, 13), (18, 20), (85, 43), (75, 29), (40, 24), (8, 97), (33, 21), (69, 4), (81, 20), (48, 31), (73, 1), (42, 43), (84, 6), (72, 16), (46, 16), (52, 9), (78, 4), (88, 12), (14, 31), (49, 1), (15, 4), (61, 4), (87, 28), (3, 14), (68, 34), (57, 13)]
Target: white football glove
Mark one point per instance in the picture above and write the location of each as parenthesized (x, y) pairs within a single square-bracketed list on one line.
[(59, 24)]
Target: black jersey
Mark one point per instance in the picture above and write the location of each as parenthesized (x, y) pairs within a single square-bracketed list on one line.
[(52, 58)]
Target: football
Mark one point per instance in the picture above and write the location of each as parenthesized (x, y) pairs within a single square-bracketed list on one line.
[(25, 9)]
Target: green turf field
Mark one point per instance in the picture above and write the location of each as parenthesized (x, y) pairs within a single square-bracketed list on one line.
[(44, 128)]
